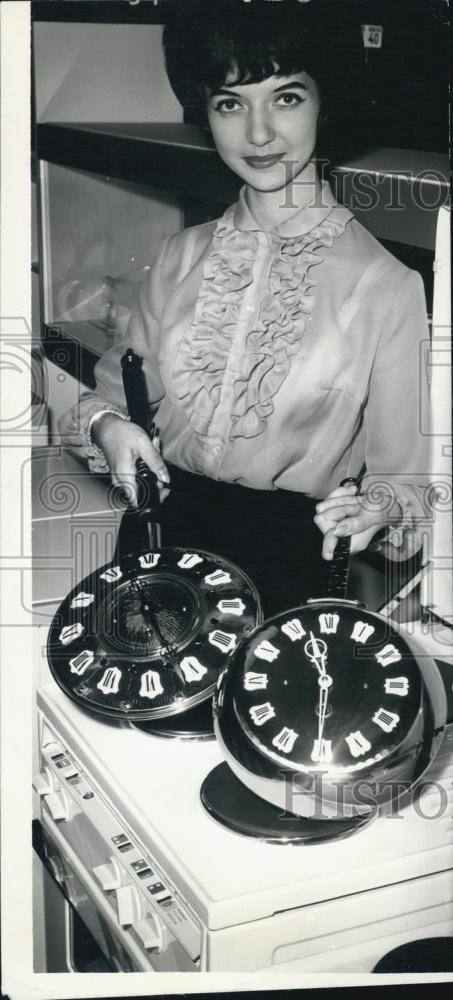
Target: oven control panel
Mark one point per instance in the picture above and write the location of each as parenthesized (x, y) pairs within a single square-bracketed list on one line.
[(144, 900)]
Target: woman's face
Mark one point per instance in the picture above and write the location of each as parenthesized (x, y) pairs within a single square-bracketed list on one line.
[(266, 132)]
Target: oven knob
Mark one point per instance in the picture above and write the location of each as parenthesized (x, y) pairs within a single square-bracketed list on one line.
[(150, 932), (109, 875), (129, 905), (59, 805), (44, 782), (56, 867)]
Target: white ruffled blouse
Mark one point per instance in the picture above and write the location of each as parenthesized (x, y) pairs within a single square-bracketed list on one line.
[(288, 358)]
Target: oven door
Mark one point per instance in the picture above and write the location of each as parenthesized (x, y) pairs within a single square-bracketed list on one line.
[(78, 934)]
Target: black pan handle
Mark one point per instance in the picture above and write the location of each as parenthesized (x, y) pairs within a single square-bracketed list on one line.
[(135, 389), (138, 408), (139, 527), (148, 498), (337, 581)]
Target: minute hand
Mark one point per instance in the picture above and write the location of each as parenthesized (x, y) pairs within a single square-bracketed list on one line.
[(316, 650)]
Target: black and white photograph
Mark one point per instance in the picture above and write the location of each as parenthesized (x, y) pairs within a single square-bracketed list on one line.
[(227, 556)]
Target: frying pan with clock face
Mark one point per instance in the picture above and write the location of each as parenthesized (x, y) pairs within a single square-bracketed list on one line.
[(327, 711), (147, 638)]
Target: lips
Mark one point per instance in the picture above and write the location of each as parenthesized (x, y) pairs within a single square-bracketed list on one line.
[(263, 162)]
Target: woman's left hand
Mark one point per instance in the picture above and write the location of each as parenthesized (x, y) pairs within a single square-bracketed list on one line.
[(342, 514)]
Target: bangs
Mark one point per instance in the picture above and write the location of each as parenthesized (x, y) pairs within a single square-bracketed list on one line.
[(252, 70), (241, 58)]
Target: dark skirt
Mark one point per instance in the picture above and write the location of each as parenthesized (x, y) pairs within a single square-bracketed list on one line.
[(269, 534)]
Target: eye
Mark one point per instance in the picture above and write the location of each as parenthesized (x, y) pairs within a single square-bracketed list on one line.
[(289, 99), (227, 105)]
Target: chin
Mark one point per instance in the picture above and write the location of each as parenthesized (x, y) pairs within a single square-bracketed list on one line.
[(266, 186), (269, 181)]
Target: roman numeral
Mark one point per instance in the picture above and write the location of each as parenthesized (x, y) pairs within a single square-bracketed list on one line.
[(218, 577), (362, 632), (254, 682), (294, 629), (285, 739), (150, 685), (231, 606), (386, 720), (262, 713), (389, 654), (79, 663), (328, 623), (71, 632), (112, 574), (225, 641), (189, 560), (150, 560), (322, 751), (396, 685), (266, 651), (192, 669), (110, 681), (82, 600), (358, 744)]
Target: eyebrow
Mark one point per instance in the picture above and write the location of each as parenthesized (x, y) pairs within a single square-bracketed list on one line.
[(285, 86)]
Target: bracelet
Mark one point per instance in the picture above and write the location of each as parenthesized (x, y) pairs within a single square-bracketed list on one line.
[(96, 458)]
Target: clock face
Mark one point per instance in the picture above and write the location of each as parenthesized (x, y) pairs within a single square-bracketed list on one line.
[(328, 687), (147, 638)]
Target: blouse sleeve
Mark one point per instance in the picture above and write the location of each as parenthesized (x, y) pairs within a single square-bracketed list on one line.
[(143, 337), (397, 410)]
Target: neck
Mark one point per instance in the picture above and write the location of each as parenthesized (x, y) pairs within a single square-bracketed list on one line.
[(272, 208)]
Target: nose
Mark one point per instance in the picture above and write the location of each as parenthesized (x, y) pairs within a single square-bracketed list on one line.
[(260, 127)]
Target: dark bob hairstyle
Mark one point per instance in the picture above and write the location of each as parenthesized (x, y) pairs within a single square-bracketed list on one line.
[(206, 42)]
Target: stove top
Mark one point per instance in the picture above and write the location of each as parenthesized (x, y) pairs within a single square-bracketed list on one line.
[(228, 878)]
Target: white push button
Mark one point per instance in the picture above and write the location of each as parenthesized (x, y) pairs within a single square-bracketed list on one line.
[(58, 805), (52, 749), (109, 875), (44, 782), (149, 931), (129, 905)]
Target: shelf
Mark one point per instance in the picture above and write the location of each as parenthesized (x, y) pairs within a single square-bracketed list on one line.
[(172, 156)]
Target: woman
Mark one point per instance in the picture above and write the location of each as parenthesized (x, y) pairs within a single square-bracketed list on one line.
[(280, 344)]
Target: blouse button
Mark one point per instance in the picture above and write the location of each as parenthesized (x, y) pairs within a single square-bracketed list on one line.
[(216, 450)]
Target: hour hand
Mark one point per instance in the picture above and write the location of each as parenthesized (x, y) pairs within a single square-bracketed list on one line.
[(316, 650)]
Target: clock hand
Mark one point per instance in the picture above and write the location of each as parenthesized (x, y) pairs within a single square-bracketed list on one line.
[(152, 625), (324, 682), (322, 709), (316, 650)]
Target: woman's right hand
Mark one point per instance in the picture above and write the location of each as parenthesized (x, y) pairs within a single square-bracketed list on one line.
[(123, 443)]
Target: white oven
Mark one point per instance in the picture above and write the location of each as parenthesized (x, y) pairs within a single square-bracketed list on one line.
[(162, 886)]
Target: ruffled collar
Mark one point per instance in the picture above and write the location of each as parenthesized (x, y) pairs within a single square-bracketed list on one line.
[(298, 224), (201, 368)]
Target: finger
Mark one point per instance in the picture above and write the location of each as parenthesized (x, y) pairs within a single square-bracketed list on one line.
[(354, 525), (335, 514), (330, 502), (324, 524), (146, 450), (127, 482), (329, 545), (341, 491)]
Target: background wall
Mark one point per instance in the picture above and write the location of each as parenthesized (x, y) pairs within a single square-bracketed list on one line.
[(101, 72)]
